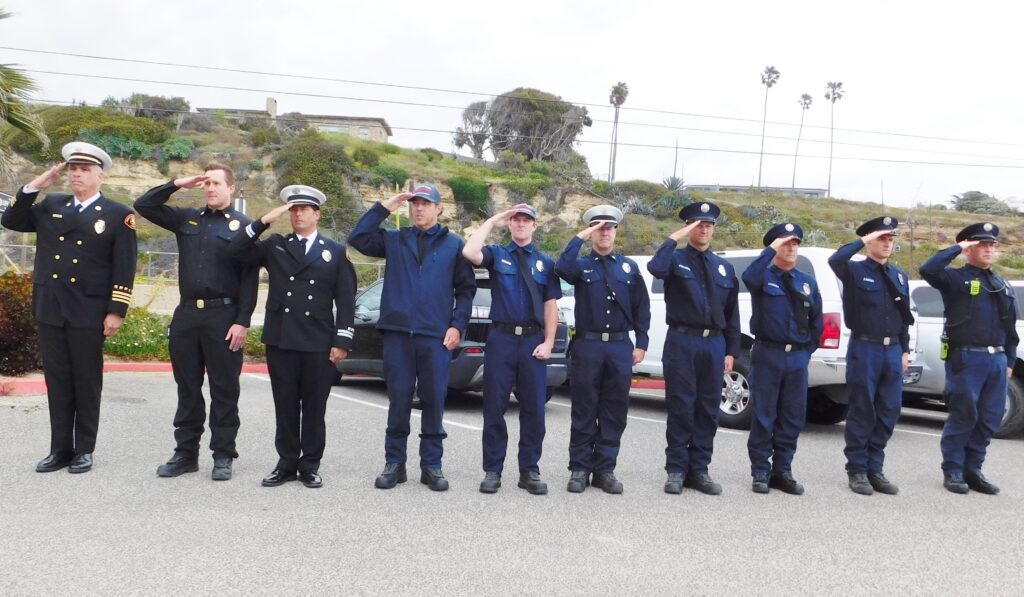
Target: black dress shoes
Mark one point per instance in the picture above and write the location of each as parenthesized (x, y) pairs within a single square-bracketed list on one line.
[(311, 479), (977, 482), (703, 483), (221, 469), (393, 474), (674, 483), (278, 477), (491, 482), (578, 482), (760, 483), (607, 483), (81, 463), (434, 479), (953, 481), (179, 464), (785, 483), (882, 485), (531, 482), (53, 462), (860, 485)]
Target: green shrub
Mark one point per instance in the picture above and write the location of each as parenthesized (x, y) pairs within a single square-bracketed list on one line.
[(117, 146), (311, 159), (143, 336), (255, 165), (511, 161), (263, 136), (471, 194), (432, 154), (254, 347), (600, 188), (390, 149), (366, 157), (527, 187), (393, 174), (649, 191), (63, 124), (540, 167), (178, 148), (19, 342)]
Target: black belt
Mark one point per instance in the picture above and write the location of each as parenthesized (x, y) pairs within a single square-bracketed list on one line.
[(705, 332), (883, 340), (784, 346), (604, 336), (988, 349), (207, 303), (517, 329)]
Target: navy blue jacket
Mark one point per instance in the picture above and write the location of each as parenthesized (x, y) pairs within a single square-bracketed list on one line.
[(595, 308), (868, 305), (510, 298), (773, 317), (980, 306), (686, 301), (418, 298)]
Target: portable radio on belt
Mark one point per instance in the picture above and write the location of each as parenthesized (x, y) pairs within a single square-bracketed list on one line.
[(944, 346)]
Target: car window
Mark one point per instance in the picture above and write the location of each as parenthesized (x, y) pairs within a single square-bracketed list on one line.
[(741, 264), (370, 298), (482, 298), (927, 300), (1018, 292), (567, 288)]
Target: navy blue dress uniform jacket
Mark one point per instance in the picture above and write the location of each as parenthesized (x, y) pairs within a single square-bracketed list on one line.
[(419, 291), (685, 301), (205, 270), (303, 288), (980, 305), (510, 299), (85, 262), (594, 310), (868, 306), (773, 316)]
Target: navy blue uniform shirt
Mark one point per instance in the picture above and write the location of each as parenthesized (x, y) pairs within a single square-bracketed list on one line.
[(980, 305), (869, 306), (602, 306), (510, 298), (773, 315)]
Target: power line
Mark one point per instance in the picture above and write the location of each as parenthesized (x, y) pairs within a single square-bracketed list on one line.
[(487, 94)]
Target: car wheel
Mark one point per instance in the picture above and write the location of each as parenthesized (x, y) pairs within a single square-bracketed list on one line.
[(1013, 419), (736, 410), (822, 410)]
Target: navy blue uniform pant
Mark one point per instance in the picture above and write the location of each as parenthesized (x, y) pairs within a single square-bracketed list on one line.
[(508, 361), (874, 380), (73, 370), (693, 368), (778, 392), (601, 374), (976, 392), (415, 364), (197, 346), (301, 383)]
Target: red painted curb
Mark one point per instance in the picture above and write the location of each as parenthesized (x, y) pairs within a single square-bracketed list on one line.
[(648, 383), (22, 387), (37, 385)]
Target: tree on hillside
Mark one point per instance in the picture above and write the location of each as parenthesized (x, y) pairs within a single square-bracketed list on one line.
[(168, 110), (805, 105), (617, 97), (15, 88), (311, 159), (981, 203), (834, 94), (537, 124), (475, 130), (769, 77)]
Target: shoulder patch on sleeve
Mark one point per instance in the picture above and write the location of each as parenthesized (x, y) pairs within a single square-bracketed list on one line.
[(129, 221)]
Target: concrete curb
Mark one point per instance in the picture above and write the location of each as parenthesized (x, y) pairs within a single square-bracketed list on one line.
[(34, 383)]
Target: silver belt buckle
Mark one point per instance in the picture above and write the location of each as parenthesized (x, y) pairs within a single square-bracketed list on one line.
[(200, 304), (789, 347), (706, 333), (519, 330), (991, 349), (604, 336), (886, 340)]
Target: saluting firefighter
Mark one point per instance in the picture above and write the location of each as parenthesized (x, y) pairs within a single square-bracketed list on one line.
[(876, 307), (524, 319), (980, 343), (82, 287), (310, 277), (611, 302), (703, 339), (786, 323), (207, 333)]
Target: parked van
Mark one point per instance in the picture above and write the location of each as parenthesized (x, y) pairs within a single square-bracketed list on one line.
[(926, 302)]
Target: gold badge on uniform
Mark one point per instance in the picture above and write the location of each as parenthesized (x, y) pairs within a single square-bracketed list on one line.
[(99, 226), (626, 268), (807, 289), (326, 255), (540, 266), (721, 269), (233, 225), (129, 221)]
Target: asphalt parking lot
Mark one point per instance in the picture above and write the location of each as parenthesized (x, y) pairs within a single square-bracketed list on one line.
[(122, 530)]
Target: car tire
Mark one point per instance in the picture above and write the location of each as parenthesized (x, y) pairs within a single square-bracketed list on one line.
[(736, 410), (1013, 420), (822, 410)]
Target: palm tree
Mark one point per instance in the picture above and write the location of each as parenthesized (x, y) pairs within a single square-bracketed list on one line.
[(768, 78), (15, 88), (805, 105), (617, 97), (834, 94)]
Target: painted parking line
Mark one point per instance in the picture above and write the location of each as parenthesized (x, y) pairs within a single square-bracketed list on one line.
[(648, 420)]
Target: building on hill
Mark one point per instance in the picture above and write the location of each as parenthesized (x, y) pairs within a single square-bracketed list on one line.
[(360, 127), (724, 188)]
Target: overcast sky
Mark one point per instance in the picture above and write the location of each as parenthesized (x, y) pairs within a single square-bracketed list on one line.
[(924, 81)]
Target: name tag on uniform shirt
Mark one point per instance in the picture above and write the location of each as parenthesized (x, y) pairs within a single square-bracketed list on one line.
[(685, 267)]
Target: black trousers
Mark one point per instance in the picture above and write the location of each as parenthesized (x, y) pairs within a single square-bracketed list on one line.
[(73, 369), (198, 347), (301, 382)]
